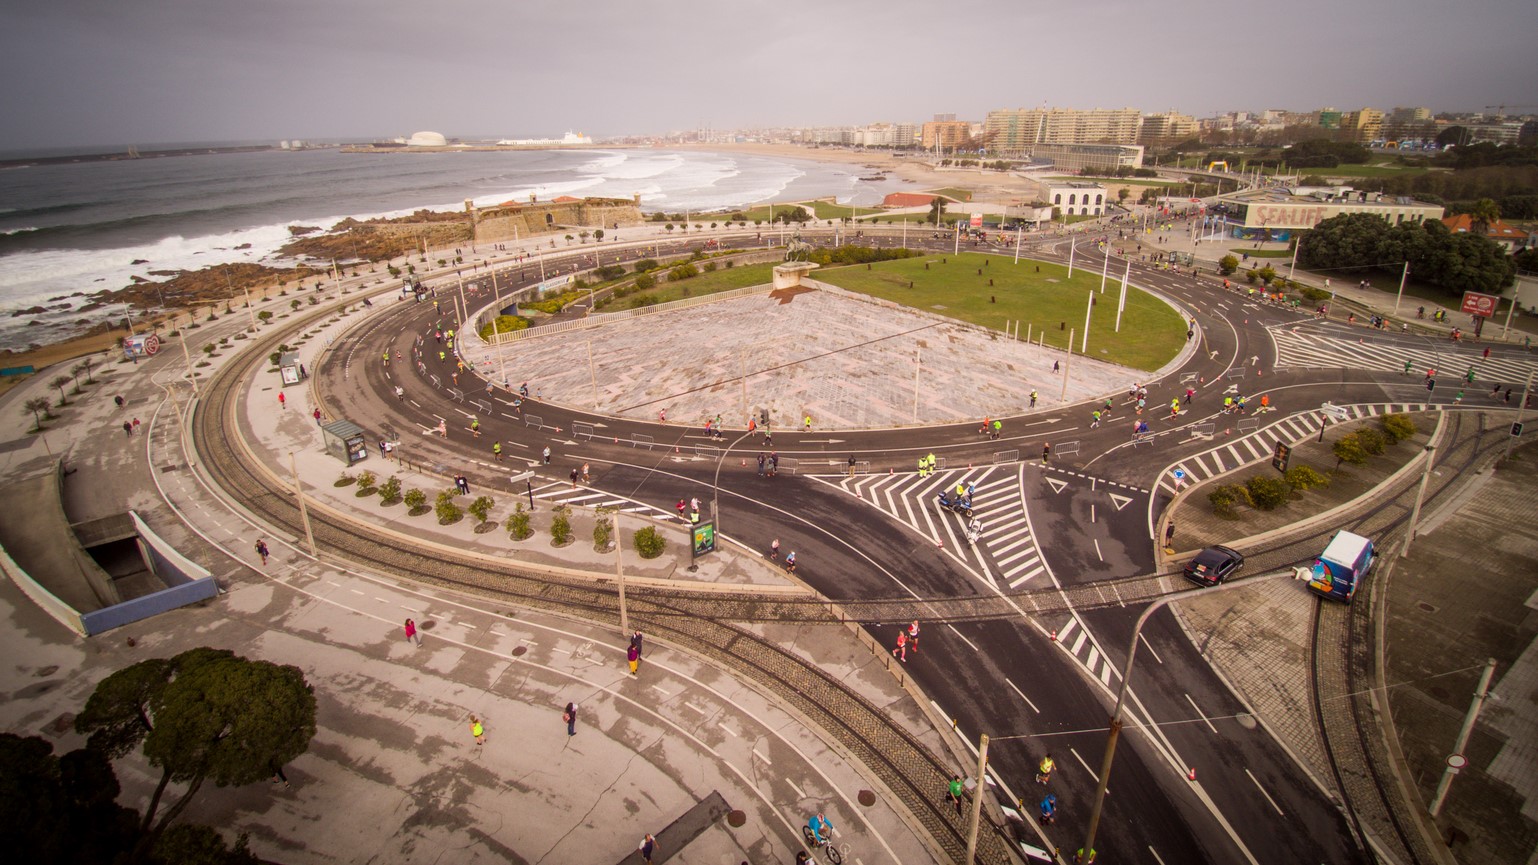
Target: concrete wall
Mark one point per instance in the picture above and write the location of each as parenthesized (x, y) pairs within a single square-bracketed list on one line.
[(522, 221), (186, 583), (41, 596)]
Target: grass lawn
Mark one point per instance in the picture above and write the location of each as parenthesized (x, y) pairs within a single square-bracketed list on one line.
[(1037, 294), (955, 192), (829, 210), (723, 279), (1262, 253)]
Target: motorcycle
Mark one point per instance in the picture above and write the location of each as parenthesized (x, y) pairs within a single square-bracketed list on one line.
[(960, 506)]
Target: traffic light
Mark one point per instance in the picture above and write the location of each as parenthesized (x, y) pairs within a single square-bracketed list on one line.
[(1431, 384), (1516, 428)]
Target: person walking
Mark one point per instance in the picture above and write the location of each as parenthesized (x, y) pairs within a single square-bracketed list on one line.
[(547, 455), (761, 460), (282, 400), (1033, 399), (316, 414), (633, 655), (128, 428), (953, 791), (1169, 536), (648, 848), (411, 633), (1046, 452), (478, 731), (261, 550), (570, 717)]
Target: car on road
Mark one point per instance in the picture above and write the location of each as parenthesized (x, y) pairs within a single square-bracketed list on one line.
[(1214, 565)]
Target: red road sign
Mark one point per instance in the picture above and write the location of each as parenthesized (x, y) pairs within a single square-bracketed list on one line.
[(151, 344), (1482, 305)]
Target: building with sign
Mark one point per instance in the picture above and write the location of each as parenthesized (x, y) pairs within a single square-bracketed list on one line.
[(1075, 197), (1276, 209)]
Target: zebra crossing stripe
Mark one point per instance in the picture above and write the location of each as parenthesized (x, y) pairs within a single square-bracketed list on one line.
[(1026, 577), (1064, 631), (1079, 641)]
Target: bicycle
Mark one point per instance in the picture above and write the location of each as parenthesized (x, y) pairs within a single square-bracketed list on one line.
[(813, 844)]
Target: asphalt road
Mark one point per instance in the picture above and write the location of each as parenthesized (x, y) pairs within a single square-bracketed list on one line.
[(1089, 520)]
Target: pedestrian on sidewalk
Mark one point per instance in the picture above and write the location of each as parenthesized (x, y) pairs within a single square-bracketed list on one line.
[(633, 655), (277, 773), (282, 400), (478, 731), (953, 792), (119, 400), (317, 416), (136, 424), (411, 633), (128, 428), (570, 717), (261, 550), (1169, 536), (648, 848)]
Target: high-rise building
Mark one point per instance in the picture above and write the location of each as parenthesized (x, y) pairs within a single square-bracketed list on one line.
[(1169, 128), (1016, 129), (1363, 125), (946, 133), (904, 135)]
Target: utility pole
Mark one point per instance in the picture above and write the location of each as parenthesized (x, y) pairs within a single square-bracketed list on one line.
[(1521, 409), (1122, 303), (1456, 760), (1403, 275), (977, 797), (1420, 497), (619, 576), (1088, 308), (1063, 397), (304, 512), (192, 374)]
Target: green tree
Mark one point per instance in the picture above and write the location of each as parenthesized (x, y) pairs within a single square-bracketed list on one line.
[(560, 526), (448, 512), (649, 542), (598, 234), (603, 529), (204, 715), (1483, 214), (936, 210), (1302, 478), (1266, 492), (1349, 450), (366, 481), (518, 523), (1266, 274), (415, 500), (645, 264), (39, 404), (1228, 264), (60, 809), (75, 373), (59, 381), (481, 508), (390, 491), (1397, 426)]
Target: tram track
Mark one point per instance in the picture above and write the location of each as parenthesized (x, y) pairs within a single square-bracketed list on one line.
[(703, 623)]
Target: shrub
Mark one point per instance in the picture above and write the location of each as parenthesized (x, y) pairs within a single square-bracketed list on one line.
[(1302, 478), (1227, 264), (448, 512), (1225, 496), (649, 543), (644, 265), (1250, 277), (603, 530), (683, 271), (1349, 450), (645, 281), (1266, 274), (1398, 426), (1373, 441), (416, 500), (710, 267), (609, 271), (503, 324), (1266, 492), (481, 508), (390, 491), (366, 481), (560, 527), (518, 524)]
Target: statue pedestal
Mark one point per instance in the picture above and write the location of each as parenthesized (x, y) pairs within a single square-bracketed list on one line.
[(789, 275)]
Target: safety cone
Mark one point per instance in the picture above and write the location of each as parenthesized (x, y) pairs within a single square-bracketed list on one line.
[(1227, 431), (939, 545), (744, 461), (675, 449), (1191, 775), (1053, 636)]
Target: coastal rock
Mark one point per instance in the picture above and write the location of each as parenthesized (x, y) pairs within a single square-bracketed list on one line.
[(33, 323), (301, 230), (139, 261), (244, 246), (36, 310)]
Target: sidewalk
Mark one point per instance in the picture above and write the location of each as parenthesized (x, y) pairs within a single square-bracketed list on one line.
[(393, 773)]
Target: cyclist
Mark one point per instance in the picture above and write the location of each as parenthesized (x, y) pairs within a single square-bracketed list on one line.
[(1049, 810), (822, 830), (1044, 771)]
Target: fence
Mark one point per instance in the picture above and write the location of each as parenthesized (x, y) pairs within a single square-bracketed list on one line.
[(1248, 425), (1204, 429), (1011, 456), (1066, 448)]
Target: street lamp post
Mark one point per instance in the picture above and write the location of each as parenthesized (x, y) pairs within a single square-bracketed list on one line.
[(715, 484)]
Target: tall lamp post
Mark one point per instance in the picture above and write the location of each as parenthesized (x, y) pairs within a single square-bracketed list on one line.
[(715, 485)]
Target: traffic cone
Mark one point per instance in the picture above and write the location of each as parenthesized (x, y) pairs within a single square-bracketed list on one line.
[(1053, 636), (675, 449), (744, 461), (1191, 775)]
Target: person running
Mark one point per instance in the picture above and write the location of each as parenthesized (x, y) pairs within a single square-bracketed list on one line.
[(790, 562), (1044, 769), (774, 548), (998, 429), (1049, 809), (913, 634), (1094, 420), (901, 652), (261, 550), (1033, 399)]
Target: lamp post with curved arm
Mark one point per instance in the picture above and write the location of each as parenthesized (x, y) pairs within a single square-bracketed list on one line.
[(715, 485)]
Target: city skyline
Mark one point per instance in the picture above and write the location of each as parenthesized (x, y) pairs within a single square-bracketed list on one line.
[(85, 73)]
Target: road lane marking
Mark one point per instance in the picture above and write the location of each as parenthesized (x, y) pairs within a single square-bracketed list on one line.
[(1023, 696), (1264, 793), (1150, 647), (1200, 714), (963, 639)]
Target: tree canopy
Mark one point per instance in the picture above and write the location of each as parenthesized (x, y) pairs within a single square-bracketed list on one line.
[(1455, 262), (204, 715)]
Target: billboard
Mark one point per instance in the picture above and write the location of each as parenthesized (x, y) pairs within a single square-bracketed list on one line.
[(977, 220), (1482, 305), (702, 539)]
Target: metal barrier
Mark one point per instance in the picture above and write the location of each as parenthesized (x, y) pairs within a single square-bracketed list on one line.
[(640, 440), (1006, 457), (1237, 372), (456, 394), (1141, 440), (481, 406), (710, 451), (789, 464), (1066, 448), (1248, 425), (584, 430), (1204, 429), (435, 381), (862, 467), (1280, 370), (533, 420)]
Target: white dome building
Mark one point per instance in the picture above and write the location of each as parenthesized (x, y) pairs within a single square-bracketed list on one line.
[(427, 139)]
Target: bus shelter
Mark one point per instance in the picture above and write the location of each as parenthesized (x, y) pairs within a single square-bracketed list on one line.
[(346, 441)]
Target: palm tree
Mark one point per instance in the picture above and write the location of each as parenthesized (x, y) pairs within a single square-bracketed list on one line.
[(36, 405), (1483, 214), (59, 381), (75, 372), (87, 362)]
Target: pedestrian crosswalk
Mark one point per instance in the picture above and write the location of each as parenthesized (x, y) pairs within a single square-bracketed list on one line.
[(1260, 445), (1309, 347), (1076, 640), (1006, 550), (582, 497)]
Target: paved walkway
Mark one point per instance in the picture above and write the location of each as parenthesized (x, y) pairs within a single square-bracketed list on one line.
[(393, 771)]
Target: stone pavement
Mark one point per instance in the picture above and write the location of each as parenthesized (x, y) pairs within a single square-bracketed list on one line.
[(393, 773), (846, 360)]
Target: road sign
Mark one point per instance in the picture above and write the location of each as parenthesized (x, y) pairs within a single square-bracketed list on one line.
[(703, 539), (1482, 305), (1334, 411), (1279, 459), (1516, 428)]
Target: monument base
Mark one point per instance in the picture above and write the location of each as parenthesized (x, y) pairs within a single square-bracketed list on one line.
[(789, 275)]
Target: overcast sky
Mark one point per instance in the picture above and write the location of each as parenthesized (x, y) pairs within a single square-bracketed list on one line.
[(117, 72)]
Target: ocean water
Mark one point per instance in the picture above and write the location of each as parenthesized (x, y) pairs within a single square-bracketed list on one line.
[(72, 228)]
